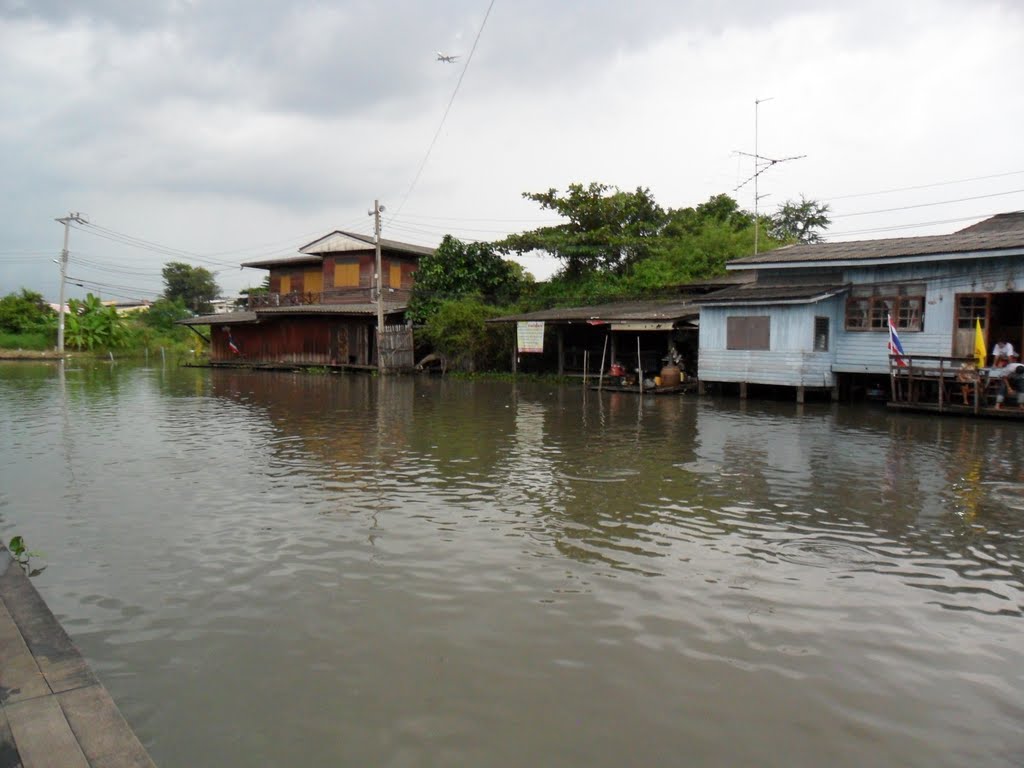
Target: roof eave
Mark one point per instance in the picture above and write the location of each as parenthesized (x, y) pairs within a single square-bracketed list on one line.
[(878, 260)]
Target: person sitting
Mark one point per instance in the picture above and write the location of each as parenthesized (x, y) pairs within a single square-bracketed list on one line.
[(1003, 353), (967, 376), (1012, 383)]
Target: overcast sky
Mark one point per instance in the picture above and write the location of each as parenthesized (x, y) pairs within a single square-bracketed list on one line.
[(220, 131)]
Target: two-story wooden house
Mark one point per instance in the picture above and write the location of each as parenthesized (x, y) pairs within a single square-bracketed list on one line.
[(322, 306)]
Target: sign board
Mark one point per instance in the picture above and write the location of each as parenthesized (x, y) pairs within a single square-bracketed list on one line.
[(664, 326), (530, 336)]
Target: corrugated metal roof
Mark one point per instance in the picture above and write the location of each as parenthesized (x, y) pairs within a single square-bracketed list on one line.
[(1001, 222), (224, 318), (284, 261), (763, 294), (864, 250), (620, 311), (340, 240)]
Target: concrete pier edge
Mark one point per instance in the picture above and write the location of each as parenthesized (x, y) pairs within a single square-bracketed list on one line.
[(53, 710)]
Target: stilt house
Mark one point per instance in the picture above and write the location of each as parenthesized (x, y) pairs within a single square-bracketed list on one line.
[(816, 316)]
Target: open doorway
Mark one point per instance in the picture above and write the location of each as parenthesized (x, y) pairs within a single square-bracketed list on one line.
[(1001, 316)]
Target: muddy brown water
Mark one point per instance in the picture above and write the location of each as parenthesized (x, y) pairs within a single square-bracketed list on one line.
[(286, 569)]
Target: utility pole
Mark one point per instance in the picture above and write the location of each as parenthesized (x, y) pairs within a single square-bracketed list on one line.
[(66, 221), (378, 209)]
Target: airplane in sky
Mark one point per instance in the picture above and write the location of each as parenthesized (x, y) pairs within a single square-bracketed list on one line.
[(445, 57)]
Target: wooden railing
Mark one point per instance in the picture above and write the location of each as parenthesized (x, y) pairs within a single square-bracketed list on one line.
[(358, 295), (940, 379)]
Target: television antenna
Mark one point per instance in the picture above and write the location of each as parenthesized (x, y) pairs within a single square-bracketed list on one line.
[(761, 164)]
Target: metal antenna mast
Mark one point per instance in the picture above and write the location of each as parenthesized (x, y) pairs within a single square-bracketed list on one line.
[(761, 164)]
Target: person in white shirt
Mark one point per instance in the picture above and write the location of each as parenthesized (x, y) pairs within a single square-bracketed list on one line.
[(1002, 353)]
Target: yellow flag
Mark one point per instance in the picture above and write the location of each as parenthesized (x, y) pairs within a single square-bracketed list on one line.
[(979, 344)]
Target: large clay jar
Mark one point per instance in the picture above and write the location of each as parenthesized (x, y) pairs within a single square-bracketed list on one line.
[(670, 376)]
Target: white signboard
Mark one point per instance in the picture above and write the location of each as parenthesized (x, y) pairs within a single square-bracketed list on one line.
[(530, 336)]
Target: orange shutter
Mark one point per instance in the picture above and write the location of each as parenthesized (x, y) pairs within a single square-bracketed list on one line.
[(346, 275), (313, 281), (395, 278)]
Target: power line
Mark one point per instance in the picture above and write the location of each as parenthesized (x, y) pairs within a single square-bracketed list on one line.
[(927, 205), (444, 117), (898, 227), (923, 186)]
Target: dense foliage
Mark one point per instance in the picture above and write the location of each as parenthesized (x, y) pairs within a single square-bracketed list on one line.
[(458, 330), (26, 312), (89, 324), (606, 229), (194, 286), (163, 313), (456, 270)]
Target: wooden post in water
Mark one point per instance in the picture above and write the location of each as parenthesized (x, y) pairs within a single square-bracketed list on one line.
[(586, 364), (560, 334), (639, 366), (600, 374), (942, 382)]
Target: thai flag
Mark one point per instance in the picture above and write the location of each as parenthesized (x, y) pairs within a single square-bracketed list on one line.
[(895, 348), (234, 347)]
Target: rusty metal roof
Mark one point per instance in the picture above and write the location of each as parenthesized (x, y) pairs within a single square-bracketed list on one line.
[(620, 311), (225, 318)]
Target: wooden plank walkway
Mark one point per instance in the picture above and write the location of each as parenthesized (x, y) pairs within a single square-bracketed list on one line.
[(53, 710)]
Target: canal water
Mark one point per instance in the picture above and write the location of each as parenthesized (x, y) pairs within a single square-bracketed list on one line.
[(288, 569)]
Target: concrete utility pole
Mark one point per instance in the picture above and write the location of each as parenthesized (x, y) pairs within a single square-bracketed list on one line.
[(378, 209), (66, 221)]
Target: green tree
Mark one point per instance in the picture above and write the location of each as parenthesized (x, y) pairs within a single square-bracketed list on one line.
[(606, 229), (800, 221), (163, 313), (91, 325), (458, 269), (25, 312), (459, 331), (193, 285)]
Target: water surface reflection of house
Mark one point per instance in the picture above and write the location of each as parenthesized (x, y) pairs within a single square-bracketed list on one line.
[(815, 317), (321, 309)]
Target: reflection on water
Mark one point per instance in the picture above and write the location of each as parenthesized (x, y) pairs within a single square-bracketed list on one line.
[(347, 570)]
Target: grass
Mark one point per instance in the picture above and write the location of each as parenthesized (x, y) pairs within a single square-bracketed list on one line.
[(39, 342)]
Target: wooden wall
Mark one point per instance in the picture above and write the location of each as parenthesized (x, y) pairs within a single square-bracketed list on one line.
[(295, 340)]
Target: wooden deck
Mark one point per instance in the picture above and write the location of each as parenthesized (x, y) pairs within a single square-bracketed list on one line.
[(929, 384), (53, 710)]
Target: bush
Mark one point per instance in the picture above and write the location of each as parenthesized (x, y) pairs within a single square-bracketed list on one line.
[(459, 331), (26, 313)]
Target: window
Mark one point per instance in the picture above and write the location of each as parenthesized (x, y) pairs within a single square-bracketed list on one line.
[(970, 309), (395, 275), (748, 333), (869, 308), (821, 334)]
